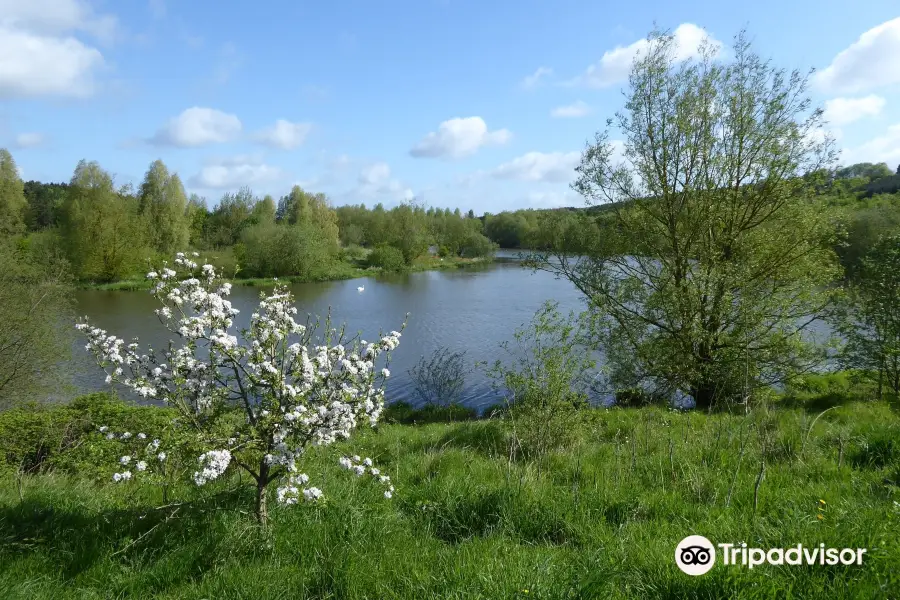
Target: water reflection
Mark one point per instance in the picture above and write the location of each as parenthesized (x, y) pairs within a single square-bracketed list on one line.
[(470, 309)]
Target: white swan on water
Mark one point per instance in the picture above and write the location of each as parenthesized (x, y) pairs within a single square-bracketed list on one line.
[(361, 288)]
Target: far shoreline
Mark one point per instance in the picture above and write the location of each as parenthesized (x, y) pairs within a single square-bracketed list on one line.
[(341, 272)]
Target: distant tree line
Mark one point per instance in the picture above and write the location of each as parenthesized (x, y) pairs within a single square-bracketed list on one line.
[(108, 232)]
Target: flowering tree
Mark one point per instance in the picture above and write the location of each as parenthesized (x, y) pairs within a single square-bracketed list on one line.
[(253, 402)]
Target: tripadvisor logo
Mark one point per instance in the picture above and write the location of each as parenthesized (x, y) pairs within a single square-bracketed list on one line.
[(696, 555)]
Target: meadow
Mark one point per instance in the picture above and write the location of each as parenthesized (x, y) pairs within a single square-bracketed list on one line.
[(469, 519)]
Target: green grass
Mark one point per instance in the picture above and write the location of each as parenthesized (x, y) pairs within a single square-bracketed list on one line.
[(598, 521)]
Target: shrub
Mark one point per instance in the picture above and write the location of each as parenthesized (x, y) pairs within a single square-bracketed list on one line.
[(546, 386), (354, 254), (477, 246), (273, 250), (387, 258), (439, 380), (39, 438)]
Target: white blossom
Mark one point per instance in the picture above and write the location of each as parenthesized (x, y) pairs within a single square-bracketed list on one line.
[(214, 464), (293, 390)]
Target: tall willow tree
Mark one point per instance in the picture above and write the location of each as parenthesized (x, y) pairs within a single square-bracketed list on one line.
[(100, 227), (12, 197), (162, 203), (871, 325), (728, 260)]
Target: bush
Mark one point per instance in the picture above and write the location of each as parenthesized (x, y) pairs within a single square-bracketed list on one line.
[(273, 250), (39, 438), (440, 379), (477, 246), (354, 254), (546, 387), (387, 258)]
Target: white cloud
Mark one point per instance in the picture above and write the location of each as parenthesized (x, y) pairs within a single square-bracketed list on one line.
[(884, 148), (532, 81), (457, 138), (56, 17), (40, 54), (571, 111), (843, 111), (29, 140), (198, 126), (375, 180), (538, 166), (868, 63), (553, 199), (614, 66), (234, 172), (375, 174), (284, 134)]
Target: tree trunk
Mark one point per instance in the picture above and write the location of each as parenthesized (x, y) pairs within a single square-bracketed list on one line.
[(704, 394), (262, 510)]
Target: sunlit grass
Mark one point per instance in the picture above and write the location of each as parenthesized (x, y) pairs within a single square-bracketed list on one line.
[(598, 521)]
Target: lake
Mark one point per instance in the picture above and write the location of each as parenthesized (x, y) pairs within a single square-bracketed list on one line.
[(472, 309)]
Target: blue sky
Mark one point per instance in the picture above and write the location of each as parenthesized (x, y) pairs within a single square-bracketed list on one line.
[(481, 105)]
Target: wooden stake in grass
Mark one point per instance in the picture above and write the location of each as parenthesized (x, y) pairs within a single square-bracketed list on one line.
[(672, 457), (759, 479), (633, 451)]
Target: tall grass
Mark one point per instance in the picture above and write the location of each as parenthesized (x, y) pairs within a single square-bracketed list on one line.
[(600, 520)]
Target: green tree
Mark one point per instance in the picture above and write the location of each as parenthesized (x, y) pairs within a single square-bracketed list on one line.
[(230, 218), (12, 197), (409, 231), (197, 214), (871, 323), (45, 201), (101, 229), (162, 203), (277, 250), (730, 260), (387, 258), (264, 210), (35, 323), (868, 171)]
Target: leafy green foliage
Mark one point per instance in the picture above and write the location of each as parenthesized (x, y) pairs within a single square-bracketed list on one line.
[(12, 197), (439, 379), (35, 316), (272, 250), (38, 438), (545, 386), (162, 204), (104, 238), (387, 258), (871, 321), (727, 259)]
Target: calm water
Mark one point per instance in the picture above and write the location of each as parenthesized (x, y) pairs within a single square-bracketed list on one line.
[(471, 309)]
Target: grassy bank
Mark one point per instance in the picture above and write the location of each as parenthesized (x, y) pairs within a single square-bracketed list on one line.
[(340, 270), (599, 521)]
